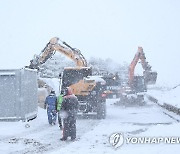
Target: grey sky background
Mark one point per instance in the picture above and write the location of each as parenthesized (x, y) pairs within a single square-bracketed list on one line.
[(99, 28)]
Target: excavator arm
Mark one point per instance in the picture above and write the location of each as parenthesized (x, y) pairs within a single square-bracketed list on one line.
[(149, 76), (52, 46)]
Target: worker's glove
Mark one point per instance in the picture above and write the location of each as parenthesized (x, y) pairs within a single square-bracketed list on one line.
[(63, 114), (61, 128)]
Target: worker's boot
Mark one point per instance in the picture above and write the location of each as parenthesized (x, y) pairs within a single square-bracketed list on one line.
[(63, 139)]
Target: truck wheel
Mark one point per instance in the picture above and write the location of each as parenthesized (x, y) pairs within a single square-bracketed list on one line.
[(101, 110)]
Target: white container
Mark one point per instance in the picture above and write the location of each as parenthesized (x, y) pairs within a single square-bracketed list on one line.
[(18, 94)]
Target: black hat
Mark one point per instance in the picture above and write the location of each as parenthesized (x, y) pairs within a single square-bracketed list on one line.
[(52, 92)]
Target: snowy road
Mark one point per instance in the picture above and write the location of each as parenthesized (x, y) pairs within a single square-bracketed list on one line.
[(148, 120), (39, 138)]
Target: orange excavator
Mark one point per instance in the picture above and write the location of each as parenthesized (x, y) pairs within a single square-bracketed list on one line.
[(139, 83), (133, 93)]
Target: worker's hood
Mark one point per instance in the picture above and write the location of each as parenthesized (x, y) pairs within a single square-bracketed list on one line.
[(68, 91)]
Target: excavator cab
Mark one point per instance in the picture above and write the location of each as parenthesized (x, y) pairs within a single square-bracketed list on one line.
[(150, 77), (72, 75), (139, 84)]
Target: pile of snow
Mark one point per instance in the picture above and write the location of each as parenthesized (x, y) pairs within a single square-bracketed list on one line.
[(170, 96), (53, 83), (96, 79), (42, 94)]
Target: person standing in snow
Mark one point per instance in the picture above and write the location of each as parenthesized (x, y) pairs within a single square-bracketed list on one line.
[(51, 105), (69, 107), (59, 102)]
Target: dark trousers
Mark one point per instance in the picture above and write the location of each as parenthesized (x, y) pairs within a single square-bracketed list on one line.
[(51, 115), (69, 127), (59, 120)]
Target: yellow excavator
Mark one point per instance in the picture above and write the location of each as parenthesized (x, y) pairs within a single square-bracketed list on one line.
[(88, 89), (52, 46)]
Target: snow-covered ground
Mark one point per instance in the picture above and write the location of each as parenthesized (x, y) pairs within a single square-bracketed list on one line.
[(93, 135), (148, 120), (39, 137), (169, 96)]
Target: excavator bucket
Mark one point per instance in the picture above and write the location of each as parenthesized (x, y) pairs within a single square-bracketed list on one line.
[(150, 77)]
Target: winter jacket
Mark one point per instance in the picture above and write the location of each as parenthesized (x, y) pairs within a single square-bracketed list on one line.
[(51, 101), (70, 103)]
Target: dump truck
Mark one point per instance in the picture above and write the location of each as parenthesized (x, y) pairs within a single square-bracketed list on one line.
[(113, 85)]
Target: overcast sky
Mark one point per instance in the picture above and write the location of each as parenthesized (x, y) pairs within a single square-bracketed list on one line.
[(99, 28)]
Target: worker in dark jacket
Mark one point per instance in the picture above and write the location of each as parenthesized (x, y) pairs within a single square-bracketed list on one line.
[(70, 107), (51, 105)]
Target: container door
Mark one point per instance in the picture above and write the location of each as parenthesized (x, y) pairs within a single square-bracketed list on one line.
[(7, 96)]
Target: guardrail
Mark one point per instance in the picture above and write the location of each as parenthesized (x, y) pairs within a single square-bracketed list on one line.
[(166, 106)]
